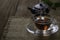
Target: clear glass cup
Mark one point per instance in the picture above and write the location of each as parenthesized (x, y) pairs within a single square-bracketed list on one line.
[(43, 25)]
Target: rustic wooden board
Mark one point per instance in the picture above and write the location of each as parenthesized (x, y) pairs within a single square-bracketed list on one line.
[(7, 8)]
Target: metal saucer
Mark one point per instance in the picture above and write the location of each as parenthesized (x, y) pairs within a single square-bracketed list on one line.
[(51, 30)]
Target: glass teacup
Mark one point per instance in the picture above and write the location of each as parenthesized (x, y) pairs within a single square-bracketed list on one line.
[(42, 22)]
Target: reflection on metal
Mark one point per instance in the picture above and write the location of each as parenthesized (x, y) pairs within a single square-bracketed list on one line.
[(51, 30)]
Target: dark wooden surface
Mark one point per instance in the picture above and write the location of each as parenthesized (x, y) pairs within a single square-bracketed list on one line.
[(7, 8)]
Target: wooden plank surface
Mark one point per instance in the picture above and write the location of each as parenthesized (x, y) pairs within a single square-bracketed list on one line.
[(22, 10), (7, 8)]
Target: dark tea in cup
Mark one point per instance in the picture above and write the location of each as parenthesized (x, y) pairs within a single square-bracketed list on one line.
[(42, 23)]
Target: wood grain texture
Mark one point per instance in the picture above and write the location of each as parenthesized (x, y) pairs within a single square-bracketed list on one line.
[(7, 8)]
